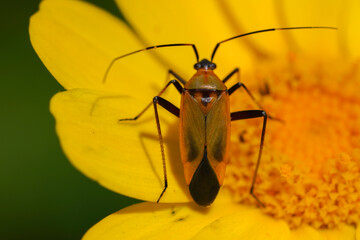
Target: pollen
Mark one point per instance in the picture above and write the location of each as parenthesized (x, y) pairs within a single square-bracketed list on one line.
[(310, 166)]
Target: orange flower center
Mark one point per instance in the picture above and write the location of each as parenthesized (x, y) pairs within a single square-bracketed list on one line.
[(310, 168)]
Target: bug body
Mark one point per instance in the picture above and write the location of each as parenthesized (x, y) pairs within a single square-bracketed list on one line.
[(205, 118), (204, 133)]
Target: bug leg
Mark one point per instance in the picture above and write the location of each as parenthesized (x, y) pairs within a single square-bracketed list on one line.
[(235, 71), (247, 115), (174, 110), (169, 107), (177, 76), (239, 85), (178, 87)]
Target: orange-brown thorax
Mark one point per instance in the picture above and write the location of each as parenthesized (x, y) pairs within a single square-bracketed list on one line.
[(205, 79), (205, 87)]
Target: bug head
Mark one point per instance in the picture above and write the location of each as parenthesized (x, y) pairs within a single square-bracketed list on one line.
[(205, 64)]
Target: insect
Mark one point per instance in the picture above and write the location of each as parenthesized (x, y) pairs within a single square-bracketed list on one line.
[(204, 117)]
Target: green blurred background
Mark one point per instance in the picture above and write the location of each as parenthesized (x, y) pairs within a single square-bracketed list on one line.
[(42, 195)]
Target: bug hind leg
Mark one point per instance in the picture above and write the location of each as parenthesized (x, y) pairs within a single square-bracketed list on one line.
[(248, 114), (178, 87)]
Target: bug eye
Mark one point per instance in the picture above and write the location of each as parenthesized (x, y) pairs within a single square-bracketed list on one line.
[(212, 66), (197, 66)]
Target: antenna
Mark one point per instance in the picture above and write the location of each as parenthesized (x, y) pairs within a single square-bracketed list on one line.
[(148, 48), (265, 30)]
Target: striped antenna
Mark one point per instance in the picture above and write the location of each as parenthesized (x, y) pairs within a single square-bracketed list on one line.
[(265, 30), (149, 48)]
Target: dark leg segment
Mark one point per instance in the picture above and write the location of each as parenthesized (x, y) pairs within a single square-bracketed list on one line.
[(236, 70), (247, 115), (178, 87), (239, 85), (177, 76), (174, 110)]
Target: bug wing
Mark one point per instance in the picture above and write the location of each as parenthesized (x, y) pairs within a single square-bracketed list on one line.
[(192, 135), (218, 135), (204, 141)]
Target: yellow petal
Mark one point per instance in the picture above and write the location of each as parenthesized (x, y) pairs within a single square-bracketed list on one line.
[(246, 16), (124, 157), (350, 27), (305, 232), (311, 13), (171, 221), (199, 22), (246, 224), (343, 232), (77, 41)]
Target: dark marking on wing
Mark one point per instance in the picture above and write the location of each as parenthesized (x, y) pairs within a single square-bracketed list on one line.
[(218, 149), (204, 185), (192, 150)]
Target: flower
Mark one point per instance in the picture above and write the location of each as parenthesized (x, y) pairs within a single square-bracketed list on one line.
[(308, 179)]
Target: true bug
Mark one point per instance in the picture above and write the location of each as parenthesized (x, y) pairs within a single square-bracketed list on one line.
[(204, 122)]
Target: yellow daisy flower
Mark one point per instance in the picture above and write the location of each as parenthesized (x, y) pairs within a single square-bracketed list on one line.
[(309, 178)]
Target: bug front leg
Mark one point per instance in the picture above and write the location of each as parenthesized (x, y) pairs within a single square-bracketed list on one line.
[(174, 110), (176, 84), (247, 115), (235, 71), (239, 85), (178, 87), (177, 76)]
